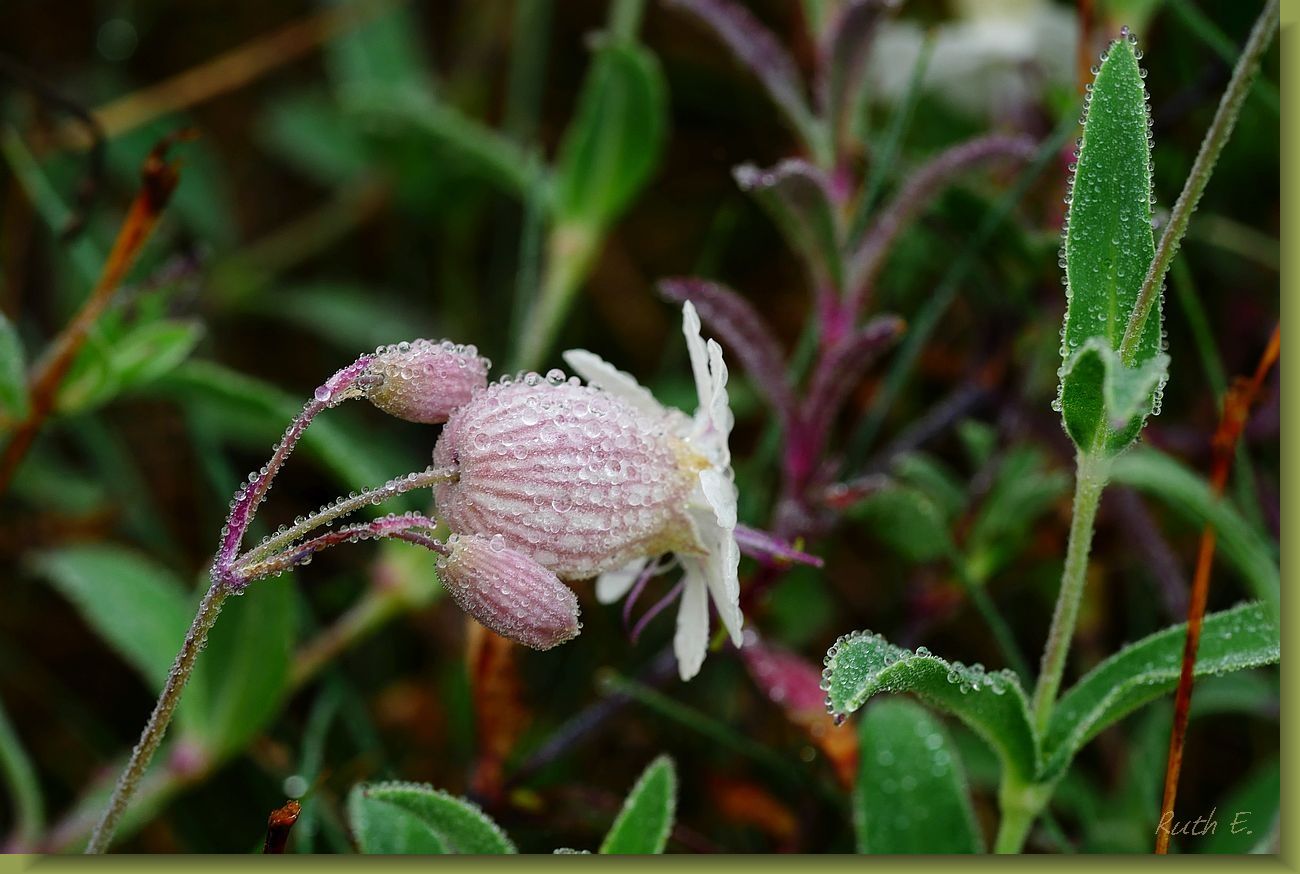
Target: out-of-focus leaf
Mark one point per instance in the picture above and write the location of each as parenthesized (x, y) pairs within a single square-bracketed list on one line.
[(758, 49), (45, 481), (993, 705), (1108, 247), (241, 677), (498, 159), (314, 137), (138, 607), (908, 521), (460, 826), (932, 476), (102, 371), (383, 829), (500, 713), (1189, 495), (794, 684), (383, 51), (614, 140), (1233, 640), (351, 316), (24, 787), (979, 439), (844, 58), (911, 794), (795, 195), (1023, 490), (1249, 815), (264, 411), (799, 608), (643, 825), (13, 373)]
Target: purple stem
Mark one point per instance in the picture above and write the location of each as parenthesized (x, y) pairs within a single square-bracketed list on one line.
[(913, 198), (761, 545), (647, 573), (243, 574), (335, 390)]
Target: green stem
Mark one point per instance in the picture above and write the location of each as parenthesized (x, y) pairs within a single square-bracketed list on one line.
[(1225, 118), (1020, 804), (571, 250), (1091, 476), (154, 730)]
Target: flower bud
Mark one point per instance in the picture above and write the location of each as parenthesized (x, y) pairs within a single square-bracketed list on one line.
[(575, 477), (509, 592), (424, 380)]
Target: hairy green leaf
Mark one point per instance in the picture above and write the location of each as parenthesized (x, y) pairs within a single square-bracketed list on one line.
[(794, 193), (1233, 640), (911, 794), (643, 824), (614, 141), (1108, 246), (383, 829), (13, 374), (460, 826), (138, 607), (1189, 495), (993, 705)]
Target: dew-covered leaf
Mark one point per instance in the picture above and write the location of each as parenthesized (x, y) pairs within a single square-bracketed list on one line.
[(993, 705), (459, 825), (13, 373), (241, 677), (1233, 640), (911, 794), (137, 606), (613, 143), (643, 824), (795, 195), (383, 829), (1108, 246), (1189, 495)]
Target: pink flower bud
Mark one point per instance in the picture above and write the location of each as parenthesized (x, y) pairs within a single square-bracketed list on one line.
[(575, 477), (509, 592), (424, 381)]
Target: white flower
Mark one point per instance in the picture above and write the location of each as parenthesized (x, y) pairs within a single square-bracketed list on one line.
[(713, 570)]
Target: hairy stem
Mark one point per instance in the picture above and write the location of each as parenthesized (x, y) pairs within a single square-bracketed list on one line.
[(1090, 481), (154, 730), (1225, 118), (330, 512)]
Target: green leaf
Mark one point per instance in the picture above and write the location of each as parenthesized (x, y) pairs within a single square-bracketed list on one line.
[(993, 705), (643, 825), (911, 794), (147, 352), (935, 478), (794, 193), (497, 159), (614, 140), (1023, 489), (1251, 811), (138, 607), (352, 316), (312, 137), (908, 521), (1108, 248), (1233, 640), (13, 373), (383, 829), (1189, 495), (241, 677), (383, 50), (460, 826)]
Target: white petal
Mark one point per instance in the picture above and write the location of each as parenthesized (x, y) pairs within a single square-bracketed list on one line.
[(691, 641), (612, 585), (698, 351), (722, 571), (719, 406), (603, 375), (721, 494)]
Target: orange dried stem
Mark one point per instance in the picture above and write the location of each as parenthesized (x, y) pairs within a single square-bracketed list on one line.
[(1236, 405), (158, 181)]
